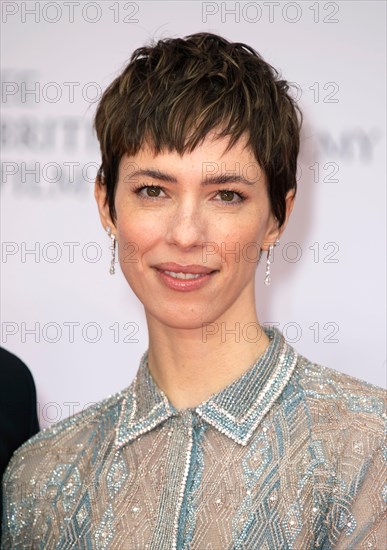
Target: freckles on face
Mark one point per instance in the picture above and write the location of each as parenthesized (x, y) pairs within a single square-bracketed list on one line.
[(204, 208)]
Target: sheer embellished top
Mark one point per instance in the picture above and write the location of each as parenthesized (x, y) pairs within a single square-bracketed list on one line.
[(290, 455)]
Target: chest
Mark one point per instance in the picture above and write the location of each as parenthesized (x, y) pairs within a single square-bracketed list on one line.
[(183, 488)]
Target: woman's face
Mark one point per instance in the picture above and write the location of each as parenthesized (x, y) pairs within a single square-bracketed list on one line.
[(208, 209)]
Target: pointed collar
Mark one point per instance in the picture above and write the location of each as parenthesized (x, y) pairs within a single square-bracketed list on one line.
[(236, 411)]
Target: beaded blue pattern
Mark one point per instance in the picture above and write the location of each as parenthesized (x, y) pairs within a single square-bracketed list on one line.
[(290, 455)]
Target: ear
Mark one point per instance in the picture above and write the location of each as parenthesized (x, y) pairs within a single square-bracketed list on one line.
[(102, 203), (273, 231)]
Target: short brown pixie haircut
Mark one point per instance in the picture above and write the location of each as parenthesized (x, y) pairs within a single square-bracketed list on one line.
[(174, 92)]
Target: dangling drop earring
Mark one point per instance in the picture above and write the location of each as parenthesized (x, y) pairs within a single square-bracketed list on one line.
[(113, 249), (268, 262)]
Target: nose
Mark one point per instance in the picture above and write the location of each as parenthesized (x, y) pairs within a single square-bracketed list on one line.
[(186, 226)]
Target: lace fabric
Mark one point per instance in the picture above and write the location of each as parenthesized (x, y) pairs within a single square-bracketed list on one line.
[(290, 455)]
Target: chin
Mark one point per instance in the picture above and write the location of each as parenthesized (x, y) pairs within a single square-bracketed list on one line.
[(183, 319)]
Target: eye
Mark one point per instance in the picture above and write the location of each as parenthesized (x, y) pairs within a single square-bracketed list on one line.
[(228, 196), (152, 191)]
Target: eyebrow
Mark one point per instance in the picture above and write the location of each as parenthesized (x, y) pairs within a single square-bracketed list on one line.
[(209, 180)]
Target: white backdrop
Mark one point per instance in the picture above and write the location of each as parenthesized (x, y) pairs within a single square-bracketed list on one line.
[(81, 331)]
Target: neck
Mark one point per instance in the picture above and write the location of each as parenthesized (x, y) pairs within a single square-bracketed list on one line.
[(189, 365)]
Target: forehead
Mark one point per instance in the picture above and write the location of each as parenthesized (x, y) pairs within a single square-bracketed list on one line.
[(209, 157), (209, 163)]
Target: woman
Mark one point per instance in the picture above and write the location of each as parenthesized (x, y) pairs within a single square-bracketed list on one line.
[(227, 438)]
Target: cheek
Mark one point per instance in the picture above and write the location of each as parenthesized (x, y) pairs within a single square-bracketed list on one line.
[(136, 230), (132, 245), (240, 248), (245, 233)]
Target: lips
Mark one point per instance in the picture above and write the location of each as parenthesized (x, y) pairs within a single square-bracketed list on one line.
[(185, 282), (193, 269), (184, 276)]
